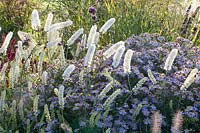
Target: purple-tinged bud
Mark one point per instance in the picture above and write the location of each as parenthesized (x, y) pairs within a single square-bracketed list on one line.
[(92, 10), (94, 17)]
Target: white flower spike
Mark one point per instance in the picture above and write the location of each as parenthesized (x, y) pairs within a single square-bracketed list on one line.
[(170, 59), (107, 25), (68, 71), (118, 55), (35, 21), (127, 61)]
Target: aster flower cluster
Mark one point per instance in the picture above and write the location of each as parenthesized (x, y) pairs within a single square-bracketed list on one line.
[(136, 95), (150, 52)]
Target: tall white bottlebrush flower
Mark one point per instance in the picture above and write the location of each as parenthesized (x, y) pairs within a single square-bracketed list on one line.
[(96, 39), (27, 64), (66, 127), (78, 49), (52, 35), (84, 41), (106, 90), (151, 77), (2, 102), (190, 79), (91, 36), (81, 77), (94, 118), (6, 42), (31, 47), (13, 74), (60, 25), (107, 25), (54, 43), (56, 91), (0, 28), (62, 56), (25, 36), (3, 70), (39, 49), (138, 109), (108, 130), (14, 110), (21, 109), (25, 54), (52, 111), (109, 52), (139, 84), (156, 122), (170, 59), (68, 71), (19, 46), (30, 85), (89, 56), (47, 114), (41, 60), (44, 77), (16, 72), (75, 36), (19, 51), (35, 105), (111, 98), (53, 40), (118, 55), (35, 20), (48, 21), (177, 122), (195, 5), (127, 61), (61, 100)]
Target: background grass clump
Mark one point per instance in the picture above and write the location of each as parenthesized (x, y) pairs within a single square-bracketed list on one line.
[(132, 16), (15, 14)]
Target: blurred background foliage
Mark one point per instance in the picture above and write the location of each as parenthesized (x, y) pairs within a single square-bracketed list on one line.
[(132, 16), (15, 14)]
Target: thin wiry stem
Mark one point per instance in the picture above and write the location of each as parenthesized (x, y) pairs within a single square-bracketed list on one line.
[(129, 83)]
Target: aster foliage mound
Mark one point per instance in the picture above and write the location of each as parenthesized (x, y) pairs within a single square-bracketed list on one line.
[(147, 88), (105, 97), (162, 90)]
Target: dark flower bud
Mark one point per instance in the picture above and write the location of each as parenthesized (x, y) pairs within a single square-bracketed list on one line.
[(92, 10), (94, 17), (78, 40)]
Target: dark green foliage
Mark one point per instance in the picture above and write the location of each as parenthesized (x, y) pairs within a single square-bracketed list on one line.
[(14, 14)]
